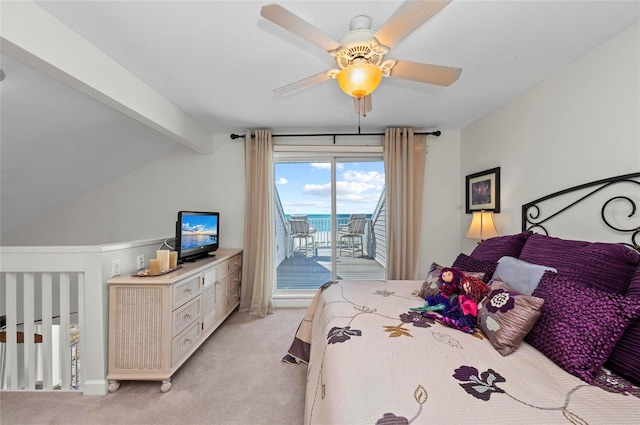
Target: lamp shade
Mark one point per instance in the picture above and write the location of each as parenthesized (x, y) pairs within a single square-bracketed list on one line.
[(482, 226), (359, 79)]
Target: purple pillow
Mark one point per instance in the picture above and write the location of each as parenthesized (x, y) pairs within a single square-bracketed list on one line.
[(579, 326), (625, 358), (468, 264), (495, 248), (605, 266), (634, 286)]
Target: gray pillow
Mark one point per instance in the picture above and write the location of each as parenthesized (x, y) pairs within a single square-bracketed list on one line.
[(520, 275)]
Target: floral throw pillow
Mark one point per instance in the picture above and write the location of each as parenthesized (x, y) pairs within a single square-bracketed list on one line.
[(580, 325), (430, 286), (506, 316)]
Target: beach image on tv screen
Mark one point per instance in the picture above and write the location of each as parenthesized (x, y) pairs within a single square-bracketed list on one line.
[(199, 230)]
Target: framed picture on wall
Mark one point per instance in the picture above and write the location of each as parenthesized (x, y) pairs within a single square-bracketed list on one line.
[(483, 191)]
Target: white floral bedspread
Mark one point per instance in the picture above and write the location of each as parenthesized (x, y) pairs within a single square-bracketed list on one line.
[(372, 361)]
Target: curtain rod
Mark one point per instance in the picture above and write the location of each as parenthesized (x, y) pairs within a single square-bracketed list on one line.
[(334, 135)]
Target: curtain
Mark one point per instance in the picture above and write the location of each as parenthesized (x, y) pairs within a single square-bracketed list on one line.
[(258, 272), (404, 159)]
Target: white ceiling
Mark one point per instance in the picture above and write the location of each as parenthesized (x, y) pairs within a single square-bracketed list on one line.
[(219, 61)]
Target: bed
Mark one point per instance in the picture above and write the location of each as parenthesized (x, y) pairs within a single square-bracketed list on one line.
[(557, 337)]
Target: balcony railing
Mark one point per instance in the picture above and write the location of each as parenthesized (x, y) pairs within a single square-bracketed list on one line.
[(323, 235)]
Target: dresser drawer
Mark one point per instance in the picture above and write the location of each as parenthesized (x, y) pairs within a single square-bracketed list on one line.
[(235, 264), (185, 290), (234, 281), (181, 344), (234, 298), (185, 315)]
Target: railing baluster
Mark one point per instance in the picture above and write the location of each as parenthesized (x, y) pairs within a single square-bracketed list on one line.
[(11, 329), (65, 323), (47, 333), (82, 326), (29, 353)]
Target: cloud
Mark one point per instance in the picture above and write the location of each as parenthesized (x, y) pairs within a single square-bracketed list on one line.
[(346, 190), (282, 181), (365, 177), (323, 190), (325, 165), (321, 165)]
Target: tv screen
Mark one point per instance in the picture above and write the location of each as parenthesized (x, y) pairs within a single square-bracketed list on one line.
[(197, 234)]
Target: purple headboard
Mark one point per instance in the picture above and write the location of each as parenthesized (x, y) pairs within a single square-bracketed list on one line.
[(617, 197)]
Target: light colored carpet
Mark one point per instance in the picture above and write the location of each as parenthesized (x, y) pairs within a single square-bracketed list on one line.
[(236, 377)]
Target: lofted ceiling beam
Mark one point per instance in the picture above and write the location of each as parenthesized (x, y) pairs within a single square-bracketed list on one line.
[(33, 36)]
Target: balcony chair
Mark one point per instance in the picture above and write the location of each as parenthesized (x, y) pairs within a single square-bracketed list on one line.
[(300, 229), (351, 234)]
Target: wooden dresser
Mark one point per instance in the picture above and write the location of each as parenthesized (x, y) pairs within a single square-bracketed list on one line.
[(156, 323)]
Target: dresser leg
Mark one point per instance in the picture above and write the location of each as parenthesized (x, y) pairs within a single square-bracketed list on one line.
[(113, 386), (166, 385)]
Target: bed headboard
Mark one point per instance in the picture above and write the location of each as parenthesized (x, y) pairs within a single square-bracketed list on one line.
[(617, 199)]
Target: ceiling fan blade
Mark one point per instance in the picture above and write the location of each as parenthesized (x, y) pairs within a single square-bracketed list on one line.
[(425, 73), (409, 16), (302, 84), (287, 20)]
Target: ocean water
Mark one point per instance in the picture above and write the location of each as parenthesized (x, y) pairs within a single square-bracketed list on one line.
[(322, 222)]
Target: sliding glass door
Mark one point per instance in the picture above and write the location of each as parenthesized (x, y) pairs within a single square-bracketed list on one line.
[(303, 224), (329, 216), (359, 212)]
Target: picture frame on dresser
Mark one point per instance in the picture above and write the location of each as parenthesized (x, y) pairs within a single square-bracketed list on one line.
[(482, 191)]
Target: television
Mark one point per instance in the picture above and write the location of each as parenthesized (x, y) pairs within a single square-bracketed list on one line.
[(197, 234)]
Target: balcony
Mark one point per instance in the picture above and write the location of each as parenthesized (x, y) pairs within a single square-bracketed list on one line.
[(305, 263)]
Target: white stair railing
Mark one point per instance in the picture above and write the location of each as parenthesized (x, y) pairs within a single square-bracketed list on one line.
[(55, 298), (43, 290), (48, 291)]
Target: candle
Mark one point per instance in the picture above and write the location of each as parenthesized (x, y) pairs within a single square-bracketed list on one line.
[(173, 260), (154, 266), (163, 256)]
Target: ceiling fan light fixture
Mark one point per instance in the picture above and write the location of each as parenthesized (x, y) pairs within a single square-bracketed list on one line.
[(360, 79)]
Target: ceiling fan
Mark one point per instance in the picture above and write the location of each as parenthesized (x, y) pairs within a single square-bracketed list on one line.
[(360, 54)]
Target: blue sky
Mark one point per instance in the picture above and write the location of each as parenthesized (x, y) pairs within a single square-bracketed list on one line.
[(306, 187)]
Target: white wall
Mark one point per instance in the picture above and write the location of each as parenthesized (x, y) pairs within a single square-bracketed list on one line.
[(144, 204), (580, 125), (441, 208)]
